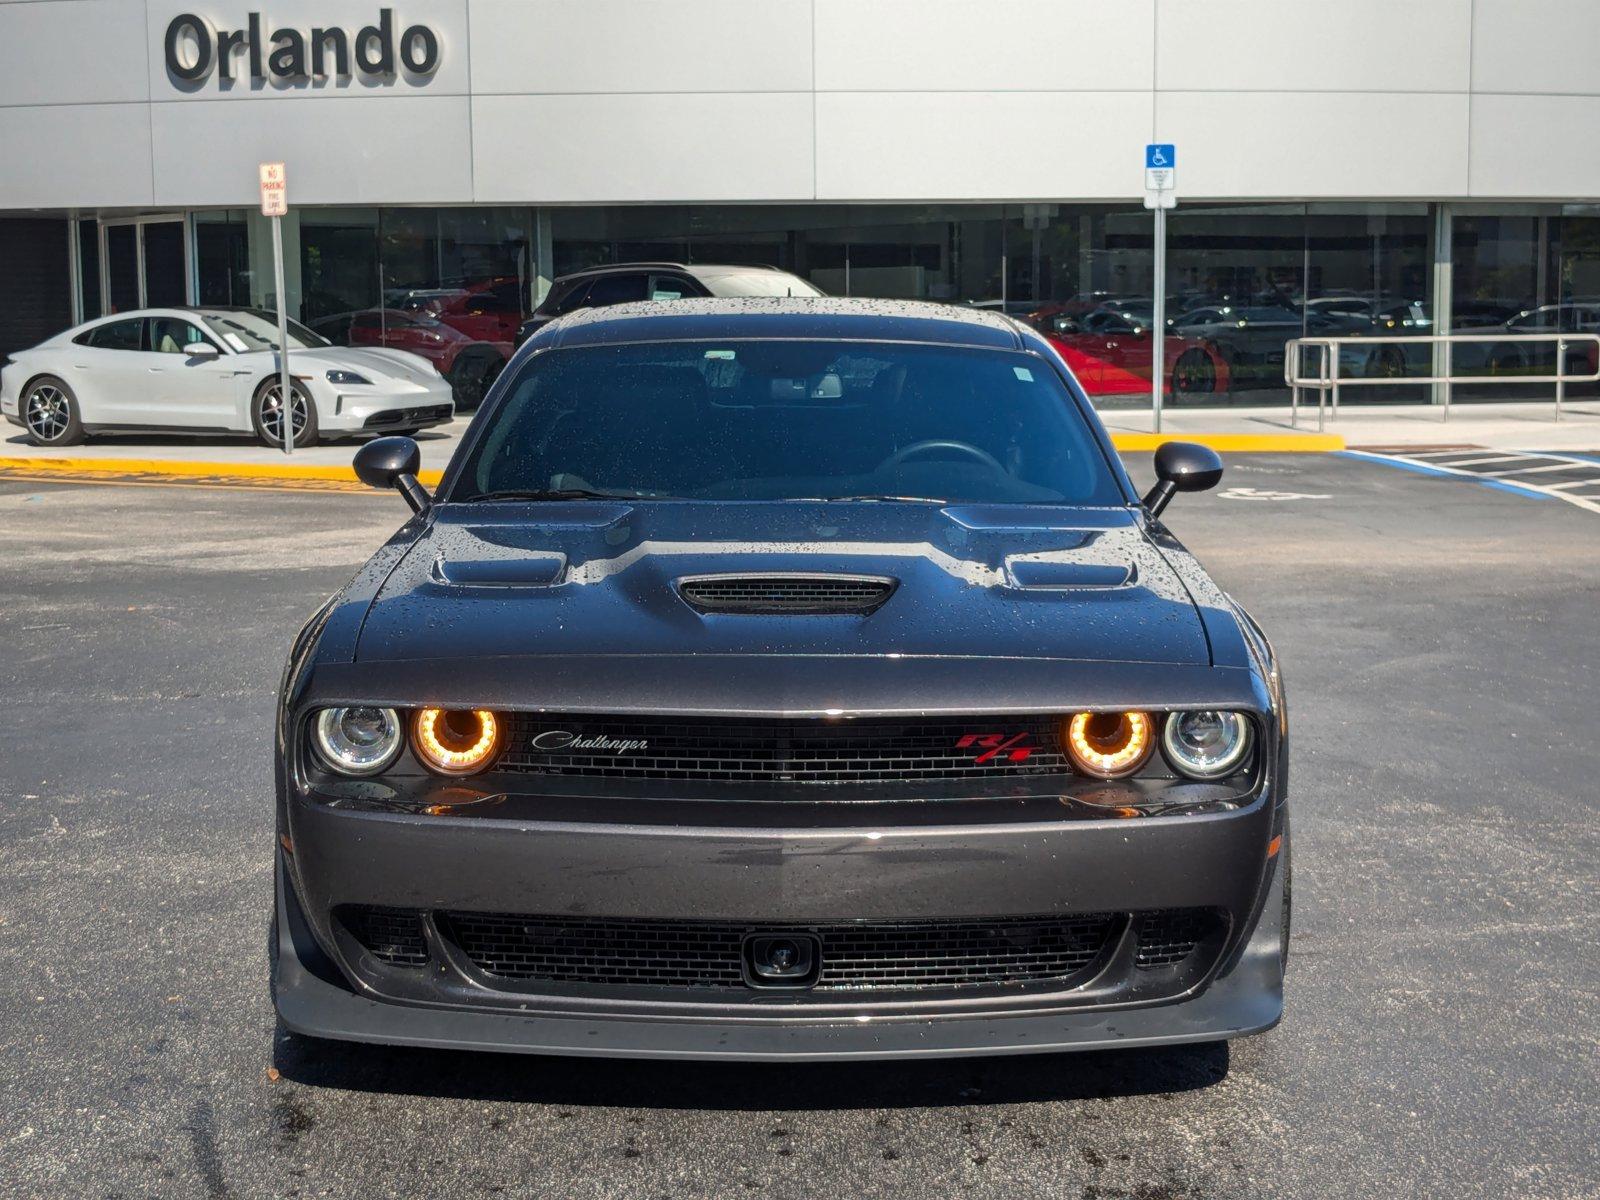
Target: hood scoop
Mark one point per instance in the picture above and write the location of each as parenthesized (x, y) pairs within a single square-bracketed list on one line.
[(786, 594), (526, 570)]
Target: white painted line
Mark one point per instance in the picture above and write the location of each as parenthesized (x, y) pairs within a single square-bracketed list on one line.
[(1563, 465), (1493, 458), (1576, 483), (1481, 476)]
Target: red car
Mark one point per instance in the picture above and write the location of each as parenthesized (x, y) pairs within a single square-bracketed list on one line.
[(469, 362), (1109, 352)]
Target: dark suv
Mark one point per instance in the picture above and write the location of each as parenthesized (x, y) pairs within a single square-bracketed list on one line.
[(599, 287)]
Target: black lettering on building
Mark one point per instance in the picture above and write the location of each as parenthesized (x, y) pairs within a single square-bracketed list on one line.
[(194, 49)]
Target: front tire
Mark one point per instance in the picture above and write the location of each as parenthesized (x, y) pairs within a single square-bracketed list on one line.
[(50, 413), (266, 414), (1194, 375), (472, 376)]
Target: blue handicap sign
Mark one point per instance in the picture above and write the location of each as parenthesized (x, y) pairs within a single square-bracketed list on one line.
[(1160, 154)]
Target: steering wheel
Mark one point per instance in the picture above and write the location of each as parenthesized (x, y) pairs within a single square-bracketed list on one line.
[(918, 449)]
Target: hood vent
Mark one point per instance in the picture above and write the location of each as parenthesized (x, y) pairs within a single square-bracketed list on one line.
[(786, 595)]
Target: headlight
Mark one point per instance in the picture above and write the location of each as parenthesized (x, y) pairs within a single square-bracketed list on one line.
[(348, 377), (455, 741), (1206, 744), (1108, 745), (360, 740)]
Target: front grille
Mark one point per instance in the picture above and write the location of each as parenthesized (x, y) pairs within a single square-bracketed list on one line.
[(1169, 936), (407, 416), (796, 751), (857, 956), (391, 935), (786, 595)]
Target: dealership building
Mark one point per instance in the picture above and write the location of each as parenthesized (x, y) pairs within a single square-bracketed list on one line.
[(1435, 153)]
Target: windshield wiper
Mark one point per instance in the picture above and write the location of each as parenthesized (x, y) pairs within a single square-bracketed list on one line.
[(874, 496), (546, 494)]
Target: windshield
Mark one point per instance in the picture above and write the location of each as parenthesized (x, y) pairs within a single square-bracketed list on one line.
[(247, 330), (787, 420), (758, 283)]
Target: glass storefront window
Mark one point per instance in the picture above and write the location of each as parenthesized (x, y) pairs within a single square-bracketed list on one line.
[(89, 268), (1524, 269), (223, 272), (454, 284)]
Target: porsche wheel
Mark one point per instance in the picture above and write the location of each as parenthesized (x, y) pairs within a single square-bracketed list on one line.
[(266, 414), (50, 413), (1194, 375), (472, 377), (1388, 363)]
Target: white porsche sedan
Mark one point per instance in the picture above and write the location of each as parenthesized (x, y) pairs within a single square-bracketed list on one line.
[(210, 371)]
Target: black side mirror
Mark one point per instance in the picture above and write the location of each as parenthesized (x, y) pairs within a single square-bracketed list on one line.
[(393, 462), (1182, 467)]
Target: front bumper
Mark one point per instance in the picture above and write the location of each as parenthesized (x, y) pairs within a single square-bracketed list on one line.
[(380, 410), (825, 864)]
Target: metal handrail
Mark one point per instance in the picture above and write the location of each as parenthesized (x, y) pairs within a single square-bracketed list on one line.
[(1328, 382)]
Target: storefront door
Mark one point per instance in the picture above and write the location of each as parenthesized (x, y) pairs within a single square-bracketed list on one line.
[(143, 263)]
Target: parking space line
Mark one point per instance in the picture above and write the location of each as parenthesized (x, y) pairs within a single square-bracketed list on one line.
[(1475, 461), (1558, 466), (1529, 491)]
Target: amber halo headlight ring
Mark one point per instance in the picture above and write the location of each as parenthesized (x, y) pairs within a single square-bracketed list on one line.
[(357, 739), (1206, 744), (456, 741), (1109, 745)]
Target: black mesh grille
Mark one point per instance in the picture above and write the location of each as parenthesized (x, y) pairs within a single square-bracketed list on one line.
[(391, 935), (1169, 936), (800, 751), (892, 956), (786, 594), (407, 416)]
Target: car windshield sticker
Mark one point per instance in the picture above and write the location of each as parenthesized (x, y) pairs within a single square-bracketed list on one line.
[(1023, 374)]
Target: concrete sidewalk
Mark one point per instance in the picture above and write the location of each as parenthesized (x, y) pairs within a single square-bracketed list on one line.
[(1498, 426)]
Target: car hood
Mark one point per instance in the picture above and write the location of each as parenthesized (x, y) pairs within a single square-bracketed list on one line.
[(583, 578), (371, 361)]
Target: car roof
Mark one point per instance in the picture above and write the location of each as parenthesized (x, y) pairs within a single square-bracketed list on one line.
[(696, 269), (822, 318)]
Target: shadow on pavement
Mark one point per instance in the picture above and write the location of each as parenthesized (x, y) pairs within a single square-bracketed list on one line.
[(631, 1083)]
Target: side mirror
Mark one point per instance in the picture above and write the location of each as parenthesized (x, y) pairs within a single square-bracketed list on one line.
[(393, 462), (1182, 467), (200, 350)]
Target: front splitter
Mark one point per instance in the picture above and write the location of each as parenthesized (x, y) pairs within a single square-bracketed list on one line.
[(1248, 999)]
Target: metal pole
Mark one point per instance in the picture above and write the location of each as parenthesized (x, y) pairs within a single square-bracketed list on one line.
[(1333, 366), (1158, 334), (1322, 390), (286, 412), (1561, 375), (1448, 358)]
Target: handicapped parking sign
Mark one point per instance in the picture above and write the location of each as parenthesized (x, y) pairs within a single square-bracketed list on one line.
[(1160, 174)]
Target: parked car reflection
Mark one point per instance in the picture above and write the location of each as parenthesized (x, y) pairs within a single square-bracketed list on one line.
[(470, 364), (1109, 350)]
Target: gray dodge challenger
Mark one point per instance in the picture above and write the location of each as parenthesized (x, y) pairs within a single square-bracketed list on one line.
[(782, 679)]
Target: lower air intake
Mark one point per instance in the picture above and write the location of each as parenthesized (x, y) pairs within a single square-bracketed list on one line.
[(390, 935), (861, 956)]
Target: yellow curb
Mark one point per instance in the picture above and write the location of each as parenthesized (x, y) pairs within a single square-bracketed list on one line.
[(1237, 443), (180, 469), (147, 470)]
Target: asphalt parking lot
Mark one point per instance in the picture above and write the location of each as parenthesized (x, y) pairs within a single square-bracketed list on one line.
[(1444, 990)]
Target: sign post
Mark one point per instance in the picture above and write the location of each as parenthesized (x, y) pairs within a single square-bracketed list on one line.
[(1160, 182), (274, 204)]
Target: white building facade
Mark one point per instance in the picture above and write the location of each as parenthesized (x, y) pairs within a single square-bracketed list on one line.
[(1440, 152)]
